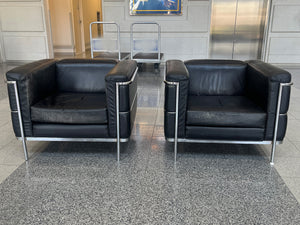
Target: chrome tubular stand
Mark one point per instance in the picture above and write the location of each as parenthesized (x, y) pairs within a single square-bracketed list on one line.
[(117, 140), (95, 39), (118, 84), (281, 85), (273, 142), (176, 84), (118, 120), (156, 51), (14, 83)]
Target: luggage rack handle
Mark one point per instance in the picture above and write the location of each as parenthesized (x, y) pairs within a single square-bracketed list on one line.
[(158, 36), (118, 36)]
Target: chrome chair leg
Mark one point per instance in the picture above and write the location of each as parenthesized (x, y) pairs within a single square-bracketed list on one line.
[(281, 85)]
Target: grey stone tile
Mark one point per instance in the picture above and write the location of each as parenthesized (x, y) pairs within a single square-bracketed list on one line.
[(6, 170), (12, 154), (297, 145), (148, 98), (144, 130), (288, 167), (294, 109), (293, 131), (7, 134), (158, 131), (160, 117), (146, 116), (295, 92), (286, 149)]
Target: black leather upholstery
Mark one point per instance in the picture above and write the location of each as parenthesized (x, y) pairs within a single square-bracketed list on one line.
[(70, 130), (224, 111), (216, 77), (82, 75), (225, 133), (74, 98), (35, 81), (123, 72), (176, 72), (71, 108), (225, 100), (262, 86)]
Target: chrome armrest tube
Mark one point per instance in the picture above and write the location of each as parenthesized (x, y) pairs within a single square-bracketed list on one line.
[(176, 84), (118, 109), (281, 85), (14, 83)]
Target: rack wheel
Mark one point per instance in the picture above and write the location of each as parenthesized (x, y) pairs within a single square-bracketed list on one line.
[(140, 66)]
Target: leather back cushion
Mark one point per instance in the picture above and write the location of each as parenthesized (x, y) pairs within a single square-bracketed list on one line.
[(216, 77), (82, 75)]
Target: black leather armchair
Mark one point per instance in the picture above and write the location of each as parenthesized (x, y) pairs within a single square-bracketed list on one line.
[(73, 100), (226, 101)]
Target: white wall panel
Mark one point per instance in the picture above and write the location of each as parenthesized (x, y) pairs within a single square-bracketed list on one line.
[(22, 19), (284, 50), (283, 40), (286, 18), (285, 46), (23, 32), (1, 56), (25, 48), (185, 46), (117, 15)]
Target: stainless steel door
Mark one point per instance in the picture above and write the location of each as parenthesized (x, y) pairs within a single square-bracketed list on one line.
[(237, 28)]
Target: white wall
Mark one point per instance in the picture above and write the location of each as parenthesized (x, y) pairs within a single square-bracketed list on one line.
[(183, 37), (1, 57), (23, 37), (283, 41)]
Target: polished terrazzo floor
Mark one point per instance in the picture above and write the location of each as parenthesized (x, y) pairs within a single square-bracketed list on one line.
[(81, 183)]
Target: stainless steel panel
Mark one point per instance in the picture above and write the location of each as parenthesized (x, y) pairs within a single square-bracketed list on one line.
[(222, 28), (250, 21), (237, 29)]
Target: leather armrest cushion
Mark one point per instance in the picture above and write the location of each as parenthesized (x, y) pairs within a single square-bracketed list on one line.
[(34, 81), (122, 72), (176, 71), (273, 73)]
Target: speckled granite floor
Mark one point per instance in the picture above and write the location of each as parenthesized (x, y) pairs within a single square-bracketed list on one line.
[(81, 183)]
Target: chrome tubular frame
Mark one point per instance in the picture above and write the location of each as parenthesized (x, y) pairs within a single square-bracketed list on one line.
[(118, 84), (158, 60), (118, 37), (117, 140), (14, 83), (273, 142), (175, 139), (281, 85)]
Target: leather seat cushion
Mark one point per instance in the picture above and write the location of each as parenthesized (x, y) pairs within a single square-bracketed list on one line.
[(71, 108), (224, 111)]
